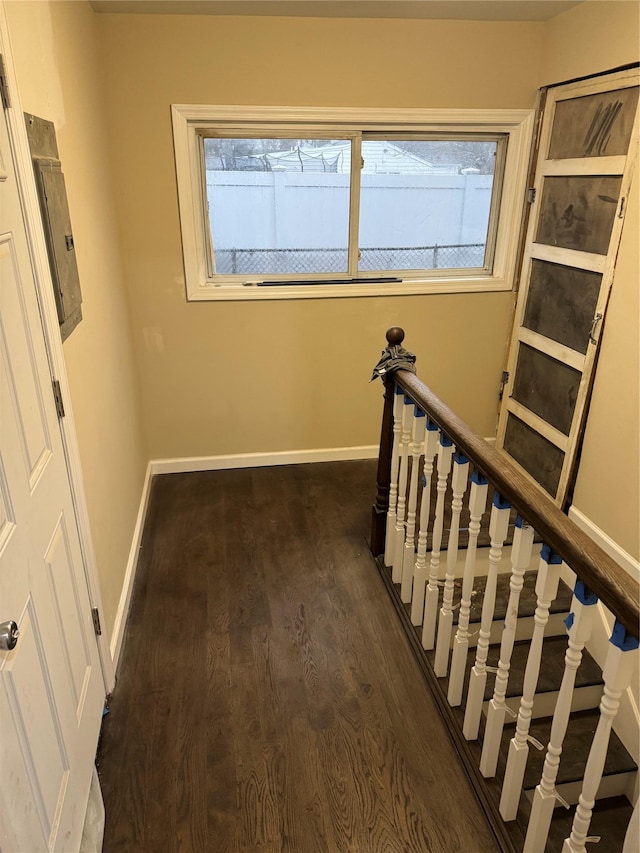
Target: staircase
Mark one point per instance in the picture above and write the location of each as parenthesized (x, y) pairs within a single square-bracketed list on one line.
[(501, 597), (613, 811)]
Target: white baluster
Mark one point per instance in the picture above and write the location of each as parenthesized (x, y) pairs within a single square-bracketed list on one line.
[(445, 454), (409, 554), (618, 667), (398, 547), (498, 528), (579, 624), (390, 537), (477, 505), (520, 559), (546, 591), (420, 575), (632, 838), (459, 480)]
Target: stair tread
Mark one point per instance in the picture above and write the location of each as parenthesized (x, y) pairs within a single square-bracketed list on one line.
[(610, 820), (528, 601), (575, 749), (551, 669)]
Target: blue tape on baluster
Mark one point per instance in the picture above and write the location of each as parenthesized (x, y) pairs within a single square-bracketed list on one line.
[(519, 521), (583, 594), (418, 413), (408, 401), (424, 482), (460, 458), (621, 639), (499, 502), (478, 478), (445, 441), (550, 556), (432, 426), (399, 390), (571, 618)]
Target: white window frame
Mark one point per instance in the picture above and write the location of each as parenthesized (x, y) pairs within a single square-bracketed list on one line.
[(189, 120)]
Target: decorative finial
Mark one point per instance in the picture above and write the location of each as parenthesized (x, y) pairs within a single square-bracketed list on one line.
[(394, 356), (395, 336)]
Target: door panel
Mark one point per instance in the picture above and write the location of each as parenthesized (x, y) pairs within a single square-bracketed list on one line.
[(534, 453), (562, 303), (583, 174), (36, 719), (593, 125), (67, 611), (546, 387), (51, 687), (20, 381), (578, 212)]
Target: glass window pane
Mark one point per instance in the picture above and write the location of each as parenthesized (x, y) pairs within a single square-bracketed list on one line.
[(278, 206), (425, 204)]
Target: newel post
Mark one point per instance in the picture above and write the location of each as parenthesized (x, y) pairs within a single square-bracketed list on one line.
[(395, 336)]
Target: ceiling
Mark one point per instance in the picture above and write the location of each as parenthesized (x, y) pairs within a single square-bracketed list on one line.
[(469, 10)]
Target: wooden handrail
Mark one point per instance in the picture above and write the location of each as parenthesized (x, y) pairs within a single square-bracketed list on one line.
[(601, 574)]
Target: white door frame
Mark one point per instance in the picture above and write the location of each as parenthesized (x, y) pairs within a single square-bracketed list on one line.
[(51, 330)]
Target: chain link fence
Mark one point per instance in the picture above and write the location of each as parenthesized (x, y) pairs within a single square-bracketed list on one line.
[(319, 261)]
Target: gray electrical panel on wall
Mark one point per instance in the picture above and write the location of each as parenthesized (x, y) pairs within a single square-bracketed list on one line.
[(57, 223)]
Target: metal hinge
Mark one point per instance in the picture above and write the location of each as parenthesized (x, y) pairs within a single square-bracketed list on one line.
[(96, 621), (503, 382), (4, 88), (531, 195), (362, 162), (57, 396)]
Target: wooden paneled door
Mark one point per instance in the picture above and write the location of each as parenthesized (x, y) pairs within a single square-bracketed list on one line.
[(587, 151), (51, 684)]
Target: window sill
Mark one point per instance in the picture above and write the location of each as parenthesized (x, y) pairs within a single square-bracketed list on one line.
[(412, 287)]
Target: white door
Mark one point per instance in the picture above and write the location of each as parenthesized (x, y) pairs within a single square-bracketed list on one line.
[(51, 685), (587, 154)]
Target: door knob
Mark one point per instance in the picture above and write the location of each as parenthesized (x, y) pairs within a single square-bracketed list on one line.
[(9, 634)]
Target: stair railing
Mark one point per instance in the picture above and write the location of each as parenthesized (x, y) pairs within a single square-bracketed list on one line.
[(422, 436)]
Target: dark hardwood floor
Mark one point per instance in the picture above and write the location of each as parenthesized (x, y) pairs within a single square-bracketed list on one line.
[(267, 699)]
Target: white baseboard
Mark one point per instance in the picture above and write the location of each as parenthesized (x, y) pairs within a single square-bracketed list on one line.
[(120, 622), (259, 460), (211, 463)]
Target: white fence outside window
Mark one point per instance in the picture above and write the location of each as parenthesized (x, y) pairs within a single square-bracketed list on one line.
[(406, 222)]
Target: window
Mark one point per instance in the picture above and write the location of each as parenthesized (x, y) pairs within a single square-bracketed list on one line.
[(277, 206), (285, 202)]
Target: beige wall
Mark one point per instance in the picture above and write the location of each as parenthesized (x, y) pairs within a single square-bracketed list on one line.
[(54, 47), (607, 488), (222, 378), (595, 36)]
